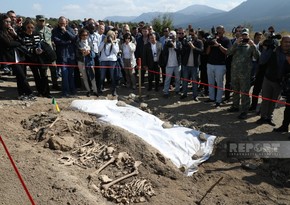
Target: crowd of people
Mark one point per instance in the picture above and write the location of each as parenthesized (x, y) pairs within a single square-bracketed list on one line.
[(214, 65)]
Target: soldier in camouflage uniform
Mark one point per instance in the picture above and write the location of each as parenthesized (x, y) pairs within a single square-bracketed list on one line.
[(45, 33), (243, 52)]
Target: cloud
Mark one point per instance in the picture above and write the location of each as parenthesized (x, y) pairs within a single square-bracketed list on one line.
[(73, 11), (37, 7)]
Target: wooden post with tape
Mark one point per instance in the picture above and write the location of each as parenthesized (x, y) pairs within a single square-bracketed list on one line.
[(139, 76)]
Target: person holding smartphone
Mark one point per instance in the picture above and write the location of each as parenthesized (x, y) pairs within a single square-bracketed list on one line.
[(243, 51)]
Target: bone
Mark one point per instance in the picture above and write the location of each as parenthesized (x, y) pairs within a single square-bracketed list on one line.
[(90, 142), (105, 179), (67, 160), (101, 151), (122, 156), (135, 172), (95, 173), (110, 150)]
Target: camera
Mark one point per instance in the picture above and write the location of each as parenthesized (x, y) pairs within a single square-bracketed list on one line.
[(109, 39), (245, 40), (271, 41), (188, 38), (210, 40), (169, 43)]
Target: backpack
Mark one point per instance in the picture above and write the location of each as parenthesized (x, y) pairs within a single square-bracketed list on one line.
[(48, 56)]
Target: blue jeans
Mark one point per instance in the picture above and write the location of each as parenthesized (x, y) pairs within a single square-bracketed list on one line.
[(216, 74), (68, 79), (190, 72), (113, 73), (169, 72)]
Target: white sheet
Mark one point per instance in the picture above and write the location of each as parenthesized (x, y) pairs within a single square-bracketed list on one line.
[(178, 143)]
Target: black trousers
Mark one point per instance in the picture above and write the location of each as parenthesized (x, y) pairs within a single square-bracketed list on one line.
[(286, 120), (258, 85), (23, 87), (53, 74), (154, 75), (203, 76), (98, 73), (41, 79)]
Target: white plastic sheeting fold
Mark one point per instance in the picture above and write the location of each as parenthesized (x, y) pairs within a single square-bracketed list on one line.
[(178, 143)]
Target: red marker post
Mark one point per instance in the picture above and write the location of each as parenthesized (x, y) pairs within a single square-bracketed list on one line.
[(139, 75)]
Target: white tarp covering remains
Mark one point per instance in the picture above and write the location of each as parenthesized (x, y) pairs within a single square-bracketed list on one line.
[(178, 143)]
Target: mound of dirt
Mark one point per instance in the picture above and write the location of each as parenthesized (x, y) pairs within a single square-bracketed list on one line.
[(102, 150)]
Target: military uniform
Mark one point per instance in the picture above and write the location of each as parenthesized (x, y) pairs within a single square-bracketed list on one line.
[(241, 73), (45, 33)]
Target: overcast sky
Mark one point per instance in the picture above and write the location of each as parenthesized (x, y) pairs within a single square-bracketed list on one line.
[(99, 9)]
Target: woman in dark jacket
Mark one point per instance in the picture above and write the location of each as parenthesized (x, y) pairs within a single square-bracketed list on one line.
[(9, 42)]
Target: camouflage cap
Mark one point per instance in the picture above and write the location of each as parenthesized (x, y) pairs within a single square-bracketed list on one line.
[(40, 18), (245, 31)]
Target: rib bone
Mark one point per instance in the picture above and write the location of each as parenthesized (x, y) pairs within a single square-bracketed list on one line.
[(136, 165)]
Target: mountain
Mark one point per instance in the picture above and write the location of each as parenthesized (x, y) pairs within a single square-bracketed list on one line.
[(147, 17), (120, 18), (182, 16), (199, 10), (259, 14)]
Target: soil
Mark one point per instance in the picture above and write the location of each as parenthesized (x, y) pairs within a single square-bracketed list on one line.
[(56, 154)]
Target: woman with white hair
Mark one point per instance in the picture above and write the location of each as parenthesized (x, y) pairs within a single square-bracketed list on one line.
[(109, 49)]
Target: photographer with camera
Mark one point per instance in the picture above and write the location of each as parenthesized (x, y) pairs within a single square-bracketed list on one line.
[(276, 65), (172, 61), (243, 52), (192, 47), (109, 49), (216, 67), (270, 43)]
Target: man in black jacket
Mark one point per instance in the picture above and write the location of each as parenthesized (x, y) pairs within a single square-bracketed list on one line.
[(277, 64), (64, 39), (151, 55), (192, 47), (286, 121)]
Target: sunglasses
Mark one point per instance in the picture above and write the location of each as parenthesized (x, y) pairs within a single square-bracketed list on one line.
[(181, 33)]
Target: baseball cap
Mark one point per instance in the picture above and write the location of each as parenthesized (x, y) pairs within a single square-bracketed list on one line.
[(245, 31), (40, 18)]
